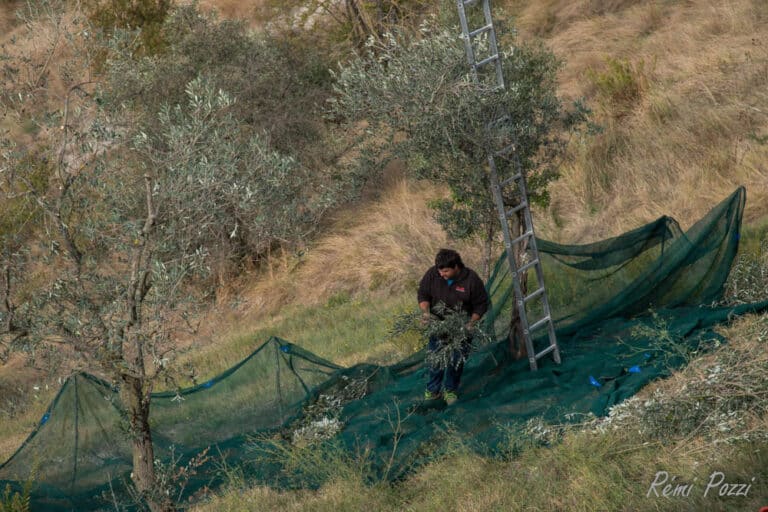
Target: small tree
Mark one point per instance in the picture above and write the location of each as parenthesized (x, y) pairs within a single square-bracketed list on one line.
[(135, 224), (21, 215), (129, 210), (279, 87), (421, 105), (129, 207)]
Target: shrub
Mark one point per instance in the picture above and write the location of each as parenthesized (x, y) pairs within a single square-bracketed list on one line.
[(621, 85), (147, 16), (279, 83), (264, 154), (748, 280)]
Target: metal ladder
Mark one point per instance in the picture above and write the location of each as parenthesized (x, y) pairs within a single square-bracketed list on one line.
[(517, 179)]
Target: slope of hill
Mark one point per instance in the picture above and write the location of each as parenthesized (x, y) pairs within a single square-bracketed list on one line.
[(680, 91)]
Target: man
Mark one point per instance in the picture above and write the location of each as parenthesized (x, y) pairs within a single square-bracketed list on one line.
[(451, 283)]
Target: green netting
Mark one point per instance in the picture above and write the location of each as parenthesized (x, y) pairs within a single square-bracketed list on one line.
[(600, 294)]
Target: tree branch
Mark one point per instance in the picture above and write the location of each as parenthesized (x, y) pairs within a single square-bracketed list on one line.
[(65, 124), (139, 282)]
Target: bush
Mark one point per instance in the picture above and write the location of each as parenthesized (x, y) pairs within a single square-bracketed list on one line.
[(147, 16), (279, 83), (258, 151), (748, 280), (621, 85)]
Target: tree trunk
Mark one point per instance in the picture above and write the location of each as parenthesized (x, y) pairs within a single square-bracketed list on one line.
[(137, 385), (516, 340), (7, 307), (487, 252), (360, 27), (143, 474)]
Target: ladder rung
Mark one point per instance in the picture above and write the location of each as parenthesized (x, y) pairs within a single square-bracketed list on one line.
[(538, 324), (469, 3), (487, 60), (517, 208), (534, 295), (546, 351), (481, 30), (528, 265), (511, 179), (522, 237)]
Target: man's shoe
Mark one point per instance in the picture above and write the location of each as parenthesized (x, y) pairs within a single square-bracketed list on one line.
[(429, 395), (450, 397)]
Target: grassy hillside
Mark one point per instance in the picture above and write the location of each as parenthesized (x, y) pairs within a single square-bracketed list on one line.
[(667, 146), (679, 88)]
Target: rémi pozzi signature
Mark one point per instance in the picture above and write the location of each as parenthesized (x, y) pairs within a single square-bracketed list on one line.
[(664, 486)]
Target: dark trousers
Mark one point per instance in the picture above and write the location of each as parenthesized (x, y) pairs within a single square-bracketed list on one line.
[(452, 374)]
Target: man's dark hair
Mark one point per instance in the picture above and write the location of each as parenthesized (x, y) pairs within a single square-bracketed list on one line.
[(448, 258)]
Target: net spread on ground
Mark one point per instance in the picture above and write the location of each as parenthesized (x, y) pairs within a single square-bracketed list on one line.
[(653, 276)]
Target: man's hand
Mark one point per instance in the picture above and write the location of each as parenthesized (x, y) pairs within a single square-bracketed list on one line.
[(472, 321), (425, 312)]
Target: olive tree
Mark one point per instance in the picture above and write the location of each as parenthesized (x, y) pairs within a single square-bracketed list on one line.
[(142, 176), (132, 229), (19, 214), (419, 103), (279, 87)]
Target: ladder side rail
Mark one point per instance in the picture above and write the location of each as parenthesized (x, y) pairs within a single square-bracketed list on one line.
[(467, 39), (508, 245), (494, 47), (535, 254), (497, 193)]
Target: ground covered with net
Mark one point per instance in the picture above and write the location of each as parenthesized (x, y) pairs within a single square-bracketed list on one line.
[(629, 310)]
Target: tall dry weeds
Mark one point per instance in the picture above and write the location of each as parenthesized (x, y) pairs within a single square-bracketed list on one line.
[(696, 133)]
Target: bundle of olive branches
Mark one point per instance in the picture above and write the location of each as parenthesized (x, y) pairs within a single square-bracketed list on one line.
[(449, 325)]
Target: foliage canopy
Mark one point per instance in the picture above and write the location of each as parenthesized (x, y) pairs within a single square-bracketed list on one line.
[(420, 104)]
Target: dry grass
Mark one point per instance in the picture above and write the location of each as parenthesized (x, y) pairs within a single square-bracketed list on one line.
[(693, 136), (378, 249), (7, 16), (235, 9), (589, 469), (21, 405)]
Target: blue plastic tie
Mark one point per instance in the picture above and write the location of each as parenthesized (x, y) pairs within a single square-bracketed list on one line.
[(736, 236), (647, 355), (285, 348), (44, 419), (634, 369), (208, 384), (594, 382)]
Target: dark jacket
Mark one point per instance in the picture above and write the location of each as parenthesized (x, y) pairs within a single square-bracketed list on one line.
[(467, 291)]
